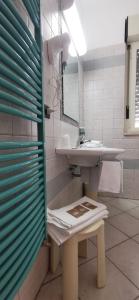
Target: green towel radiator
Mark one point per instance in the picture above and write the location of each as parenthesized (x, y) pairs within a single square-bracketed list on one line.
[(22, 164)]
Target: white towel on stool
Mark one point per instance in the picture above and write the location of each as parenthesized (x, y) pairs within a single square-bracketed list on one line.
[(111, 178)]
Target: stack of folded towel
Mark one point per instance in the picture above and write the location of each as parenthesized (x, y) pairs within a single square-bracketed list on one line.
[(68, 220)]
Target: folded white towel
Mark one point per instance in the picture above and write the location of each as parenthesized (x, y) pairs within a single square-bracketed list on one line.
[(111, 178), (60, 236), (66, 221)]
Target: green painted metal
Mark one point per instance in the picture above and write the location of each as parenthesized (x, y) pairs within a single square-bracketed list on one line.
[(17, 199), (6, 72), (19, 166), (36, 6), (15, 100), (15, 22), (12, 156), (22, 171), (15, 145), (41, 126), (24, 204), (13, 268), (21, 248), (19, 60), (18, 91), (26, 233), (12, 42), (6, 59), (17, 112), (11, 29), (18, 177), (12, 8), (22, 270), (19, 187), (21, 217), (7, 242), (34, 16)]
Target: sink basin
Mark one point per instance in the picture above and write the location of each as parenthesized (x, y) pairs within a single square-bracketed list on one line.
[(88, 157)]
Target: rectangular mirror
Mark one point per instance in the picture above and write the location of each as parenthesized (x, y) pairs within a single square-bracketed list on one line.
[(70, 88)]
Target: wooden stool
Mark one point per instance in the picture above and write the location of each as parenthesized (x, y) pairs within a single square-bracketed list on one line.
[(70, 260)]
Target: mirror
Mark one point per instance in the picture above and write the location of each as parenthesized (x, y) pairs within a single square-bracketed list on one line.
[(70, 88)]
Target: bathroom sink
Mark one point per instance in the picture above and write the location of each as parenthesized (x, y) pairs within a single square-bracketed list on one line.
[(88, 157)]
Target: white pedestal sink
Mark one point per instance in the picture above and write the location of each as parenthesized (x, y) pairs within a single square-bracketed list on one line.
[(90, 159)]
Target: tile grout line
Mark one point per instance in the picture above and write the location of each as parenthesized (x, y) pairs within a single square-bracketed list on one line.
[(59, 275), (106, 250), (136, 218), (123, 273), (118, 207), (137, 242), (123, 211), (45, 283), (89, 260), (121, 230)]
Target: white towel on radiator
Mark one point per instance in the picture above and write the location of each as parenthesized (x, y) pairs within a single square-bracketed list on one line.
[(111, 178)]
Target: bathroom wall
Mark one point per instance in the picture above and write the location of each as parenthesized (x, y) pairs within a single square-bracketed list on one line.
[(104, 71), (103, 21), (61, 187)]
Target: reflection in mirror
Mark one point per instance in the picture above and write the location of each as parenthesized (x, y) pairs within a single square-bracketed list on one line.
[(70, 88)]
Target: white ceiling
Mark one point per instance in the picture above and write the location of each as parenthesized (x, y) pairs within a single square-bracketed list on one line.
[(103, 20)]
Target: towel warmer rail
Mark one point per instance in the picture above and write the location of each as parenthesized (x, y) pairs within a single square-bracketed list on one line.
[(22, 163)]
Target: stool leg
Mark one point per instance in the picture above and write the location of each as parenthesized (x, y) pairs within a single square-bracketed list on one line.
[(54, 257), (82, 249), (70, 269), (101, 267)]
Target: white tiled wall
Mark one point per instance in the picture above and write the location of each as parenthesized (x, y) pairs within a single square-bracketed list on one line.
[(55, 128), (104, 112)]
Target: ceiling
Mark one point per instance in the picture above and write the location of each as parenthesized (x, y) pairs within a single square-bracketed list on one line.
[(103, 20)]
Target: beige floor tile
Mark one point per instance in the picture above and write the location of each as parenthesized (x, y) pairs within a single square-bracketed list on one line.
[(87, 285), (126, 258), (113, 211), (126, 224), (51, 291), (112, 236), (122, 204), (134, 212), (136, 202), (104, 199), (50, 276), (92, 253), (136, 238)]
